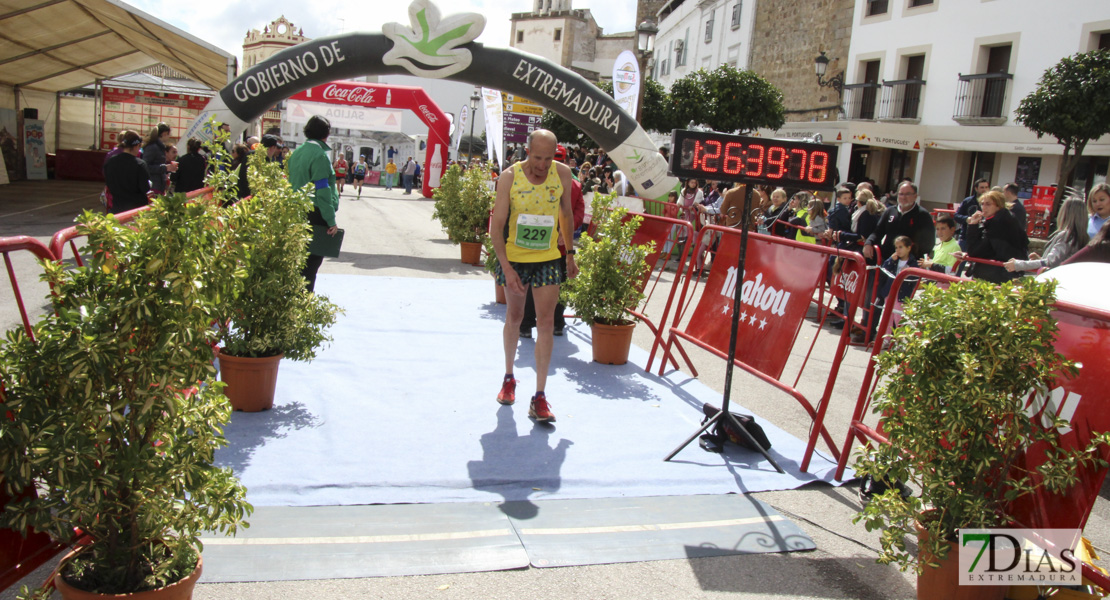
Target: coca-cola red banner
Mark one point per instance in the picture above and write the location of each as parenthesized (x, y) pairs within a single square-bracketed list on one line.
[(779, 281), (1082, 401)]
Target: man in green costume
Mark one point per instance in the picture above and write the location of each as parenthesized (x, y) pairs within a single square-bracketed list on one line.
[(309, 165)]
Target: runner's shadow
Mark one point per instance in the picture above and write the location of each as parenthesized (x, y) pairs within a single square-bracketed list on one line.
[(515, 466)]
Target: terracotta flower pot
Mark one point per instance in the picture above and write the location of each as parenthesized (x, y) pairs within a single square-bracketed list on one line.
[(471, 252), (181, 590), (944, 581), (499, 293), (612, 342), (250, 381)]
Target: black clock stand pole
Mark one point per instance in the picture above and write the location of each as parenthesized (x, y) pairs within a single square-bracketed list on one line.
[(723, 413)]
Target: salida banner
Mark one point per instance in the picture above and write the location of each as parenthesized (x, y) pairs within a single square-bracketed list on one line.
[(775, 296), (443, 47)]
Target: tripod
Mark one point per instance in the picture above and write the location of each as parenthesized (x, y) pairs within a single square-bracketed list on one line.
[(723, 413)]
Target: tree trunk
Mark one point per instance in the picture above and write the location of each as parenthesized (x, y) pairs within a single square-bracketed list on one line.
[(1067, 169)]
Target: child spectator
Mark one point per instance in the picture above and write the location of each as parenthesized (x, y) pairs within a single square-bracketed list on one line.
[(903, 258), (944, 260), (816, 217)]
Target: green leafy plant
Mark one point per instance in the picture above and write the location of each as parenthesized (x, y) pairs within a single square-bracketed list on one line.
[(726, 99), (275, 313), (114, 411), (610, 267), (463, 201), (953, 394)]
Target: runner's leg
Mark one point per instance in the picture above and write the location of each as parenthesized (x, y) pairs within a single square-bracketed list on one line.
[(545, 297), (514, 314)]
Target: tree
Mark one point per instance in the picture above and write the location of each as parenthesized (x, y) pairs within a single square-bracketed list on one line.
[(726, 99), (1070, 105)]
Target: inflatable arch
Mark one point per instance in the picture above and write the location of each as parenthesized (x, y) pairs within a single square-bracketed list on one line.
[(442, 47)]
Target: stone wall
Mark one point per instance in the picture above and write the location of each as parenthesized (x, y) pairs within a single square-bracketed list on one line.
[(646, 9), (787, 36)]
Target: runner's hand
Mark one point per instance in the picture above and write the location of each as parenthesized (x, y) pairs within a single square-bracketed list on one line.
[(513, 282), (572, 267), (334, 229)]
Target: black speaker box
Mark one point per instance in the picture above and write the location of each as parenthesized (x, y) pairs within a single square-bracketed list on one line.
[(30, 113)]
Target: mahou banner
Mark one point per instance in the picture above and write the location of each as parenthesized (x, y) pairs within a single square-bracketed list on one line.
[(778, 285)]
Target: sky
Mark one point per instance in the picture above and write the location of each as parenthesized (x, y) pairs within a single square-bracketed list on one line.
[(224, 23)]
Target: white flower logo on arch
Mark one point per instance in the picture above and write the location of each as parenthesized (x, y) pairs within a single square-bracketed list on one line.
[(430, 48)]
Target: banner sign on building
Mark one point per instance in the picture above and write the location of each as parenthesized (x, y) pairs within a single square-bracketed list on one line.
[(626, 82), (34, 147), (778, 284), (345, 117), (522, 116), (140, 111)]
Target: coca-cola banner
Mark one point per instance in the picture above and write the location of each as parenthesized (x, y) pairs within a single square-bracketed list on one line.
[(778, 283), (453, 55)]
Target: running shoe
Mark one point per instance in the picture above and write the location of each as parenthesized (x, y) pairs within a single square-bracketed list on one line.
[(507, 395), (539, 409)]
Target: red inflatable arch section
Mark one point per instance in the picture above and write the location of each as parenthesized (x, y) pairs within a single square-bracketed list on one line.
[(377, 95)]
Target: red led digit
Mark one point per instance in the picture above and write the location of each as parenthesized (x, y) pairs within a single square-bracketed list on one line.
[(715, 157), (732, 161), (777, 157), (818, 163), (801, 163), (755, 163), (697, 154)]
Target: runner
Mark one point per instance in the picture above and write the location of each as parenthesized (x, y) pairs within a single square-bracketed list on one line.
[(533, 208), (340, 167), (359, 171)]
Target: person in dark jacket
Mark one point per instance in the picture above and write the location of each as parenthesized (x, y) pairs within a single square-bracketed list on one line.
[(970, 206), (993, 234), (126, 176), (240, 156), (906, 218), (778, 215), (154, 155), (840, 220), (192, 168)]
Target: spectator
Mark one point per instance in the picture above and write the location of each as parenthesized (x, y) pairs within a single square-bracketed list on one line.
[(816, 219), (692, 197), (799, 207), (154, 155), (778, 215), (309, 165), (274, 148), (840, 221), (904, 257), (1070, 237), (993, 234), (126, 176), (390, 174), (192, 168), (171, 178), (1098, 204), (970, 206), (1097, 251), (946, 248), (240, 158), (713, 195), (1010, 192), (408, 171)]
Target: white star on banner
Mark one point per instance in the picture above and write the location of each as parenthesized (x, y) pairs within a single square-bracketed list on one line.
[(743, 316), (762, 323), (724, 309), (751, 319)]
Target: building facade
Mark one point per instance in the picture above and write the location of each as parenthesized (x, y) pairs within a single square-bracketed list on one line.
[(569, 37), (702, 35), (932, 86)]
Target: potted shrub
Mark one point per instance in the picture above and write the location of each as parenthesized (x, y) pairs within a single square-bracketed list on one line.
[(953, 389), (113, 410), (462, 204), (610, 271), (275, 316)]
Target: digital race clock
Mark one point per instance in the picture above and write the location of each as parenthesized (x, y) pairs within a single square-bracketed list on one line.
[(725, 157)]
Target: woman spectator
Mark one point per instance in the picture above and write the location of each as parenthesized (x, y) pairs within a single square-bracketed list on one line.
[(192, 167), (240, 157), (864, 220), (993, 234), (1098, 204), (154, 155), (1097, 251), (816, 221), (126, 175), (691, 197), (171, 178), (1070, 237)]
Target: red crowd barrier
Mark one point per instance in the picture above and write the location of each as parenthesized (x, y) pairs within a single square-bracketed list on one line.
[(16, 244), (780, 280), (1083, 336)]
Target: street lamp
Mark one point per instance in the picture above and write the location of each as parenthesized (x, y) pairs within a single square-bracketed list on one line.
[(821, 64), (475, 98), (645, 44)]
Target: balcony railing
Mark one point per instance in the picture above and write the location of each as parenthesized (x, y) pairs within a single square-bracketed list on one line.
[(982, 99), (901, 102), (860, 100)]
